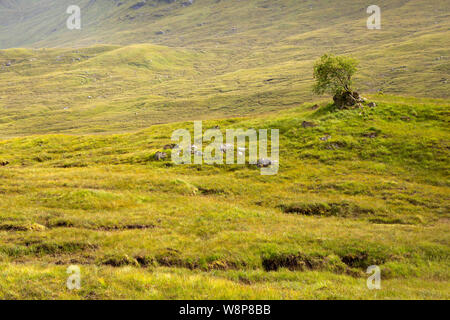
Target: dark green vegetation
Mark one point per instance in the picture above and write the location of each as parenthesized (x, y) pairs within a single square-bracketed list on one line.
[(356, 187)]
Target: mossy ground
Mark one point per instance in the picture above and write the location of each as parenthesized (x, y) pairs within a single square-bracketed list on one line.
[(81, 119), (145, 229)]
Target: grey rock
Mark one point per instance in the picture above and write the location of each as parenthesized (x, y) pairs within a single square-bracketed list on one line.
[(264, 163), (160, 156)]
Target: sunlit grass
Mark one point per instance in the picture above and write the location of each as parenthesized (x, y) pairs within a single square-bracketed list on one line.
[(146, 229)]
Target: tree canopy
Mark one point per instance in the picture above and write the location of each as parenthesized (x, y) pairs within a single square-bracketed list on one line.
[(333, 74)]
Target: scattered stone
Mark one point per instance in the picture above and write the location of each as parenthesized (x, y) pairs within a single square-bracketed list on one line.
[(334, 146), (226, 147), (264, 163), (160, 156), (315, 107), (307, 124), (326, 138), (372, 105), (371, 135), (187, 3), (347, 99)]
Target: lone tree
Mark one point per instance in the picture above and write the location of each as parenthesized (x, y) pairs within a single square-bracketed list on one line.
[(333, 74)]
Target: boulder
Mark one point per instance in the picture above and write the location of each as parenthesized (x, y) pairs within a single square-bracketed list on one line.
[(371, 135), (224, 148), (193, 148), (187, 3), (347, 99), (264, 163), (160, 156)]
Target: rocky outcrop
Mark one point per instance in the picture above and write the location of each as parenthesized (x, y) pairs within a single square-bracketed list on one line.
[(347, 99)]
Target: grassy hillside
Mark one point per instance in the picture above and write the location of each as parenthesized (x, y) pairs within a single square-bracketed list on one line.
[(376, 192), (83, 112), (213, 60)]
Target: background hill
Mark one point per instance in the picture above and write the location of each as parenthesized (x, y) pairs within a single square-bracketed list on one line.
[(210, 59)]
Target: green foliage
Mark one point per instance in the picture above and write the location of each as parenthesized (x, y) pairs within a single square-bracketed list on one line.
[(334, 74)]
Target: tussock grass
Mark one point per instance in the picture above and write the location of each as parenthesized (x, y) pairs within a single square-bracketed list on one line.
[(308, 232)]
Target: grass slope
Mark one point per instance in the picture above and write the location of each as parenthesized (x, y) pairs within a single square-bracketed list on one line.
[(376, 192), (214, 59)]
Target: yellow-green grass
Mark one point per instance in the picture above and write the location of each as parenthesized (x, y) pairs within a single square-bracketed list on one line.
[(203, 71), (145, 229)]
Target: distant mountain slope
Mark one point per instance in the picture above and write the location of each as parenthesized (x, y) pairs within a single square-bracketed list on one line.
[(210, 22), (213, 59)]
